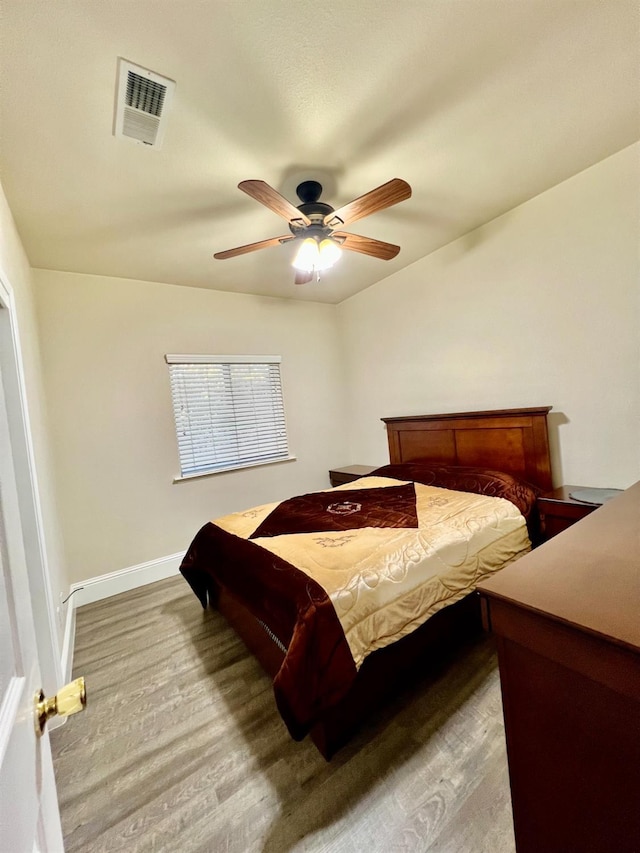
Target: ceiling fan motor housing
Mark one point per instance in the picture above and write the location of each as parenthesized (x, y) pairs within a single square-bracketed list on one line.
[(309, 192)]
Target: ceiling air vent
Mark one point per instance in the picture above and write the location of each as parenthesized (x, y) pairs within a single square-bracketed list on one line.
[(142, 103)]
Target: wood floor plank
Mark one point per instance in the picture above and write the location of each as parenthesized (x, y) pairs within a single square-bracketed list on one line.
[(181, 749)]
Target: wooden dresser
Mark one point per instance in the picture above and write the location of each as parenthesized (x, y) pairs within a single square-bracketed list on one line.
[(567, 624)]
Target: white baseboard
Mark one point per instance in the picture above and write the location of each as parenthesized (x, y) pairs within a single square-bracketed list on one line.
[(104, 586)]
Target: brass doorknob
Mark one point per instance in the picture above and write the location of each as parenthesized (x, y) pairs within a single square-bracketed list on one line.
[(68, 700)]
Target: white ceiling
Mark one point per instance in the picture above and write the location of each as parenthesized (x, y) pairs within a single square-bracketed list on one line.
[(478, 104)]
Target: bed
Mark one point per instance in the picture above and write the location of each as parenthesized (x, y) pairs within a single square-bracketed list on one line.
[(330, 662)]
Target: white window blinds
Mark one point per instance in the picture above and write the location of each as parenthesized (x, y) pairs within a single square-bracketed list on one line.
[(228, 410)]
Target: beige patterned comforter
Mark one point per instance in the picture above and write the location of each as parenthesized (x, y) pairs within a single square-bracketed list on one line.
[(386, 582)]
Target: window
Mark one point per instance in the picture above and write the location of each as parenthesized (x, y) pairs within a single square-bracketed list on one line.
[(228, 411)]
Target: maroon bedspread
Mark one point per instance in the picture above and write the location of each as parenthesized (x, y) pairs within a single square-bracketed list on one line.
[(349, 509), (318, 668)]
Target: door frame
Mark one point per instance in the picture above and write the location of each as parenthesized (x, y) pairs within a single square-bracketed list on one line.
[(30, 507)]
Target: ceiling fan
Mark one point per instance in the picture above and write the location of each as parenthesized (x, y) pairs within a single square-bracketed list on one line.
[(314, 223)]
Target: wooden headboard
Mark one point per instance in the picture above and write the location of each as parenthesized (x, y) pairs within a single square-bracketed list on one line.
[(515, 441)]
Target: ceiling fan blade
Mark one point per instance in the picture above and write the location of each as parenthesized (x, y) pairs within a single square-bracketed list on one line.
[(252, 247), (366, 245), (272, 199), (302, 277), (386, 195)]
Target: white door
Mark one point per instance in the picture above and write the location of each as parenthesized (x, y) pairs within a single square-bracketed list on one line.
[(29, 816)]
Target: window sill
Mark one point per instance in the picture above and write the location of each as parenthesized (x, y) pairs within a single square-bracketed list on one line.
[(182, 478)]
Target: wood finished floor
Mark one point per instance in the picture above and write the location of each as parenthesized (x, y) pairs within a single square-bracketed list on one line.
[(181, 749)]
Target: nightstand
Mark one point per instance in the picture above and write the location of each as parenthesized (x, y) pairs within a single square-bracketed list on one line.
[(338, 476), (559, 511)]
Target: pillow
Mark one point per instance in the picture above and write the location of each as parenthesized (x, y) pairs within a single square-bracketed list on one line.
[(480, 481)]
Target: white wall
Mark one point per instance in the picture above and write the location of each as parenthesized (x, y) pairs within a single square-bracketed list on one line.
[(41, 531), (103, 342), (538, 307)]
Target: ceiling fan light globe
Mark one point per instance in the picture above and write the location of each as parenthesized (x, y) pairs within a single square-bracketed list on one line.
[(307, 258), (329, 252)]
